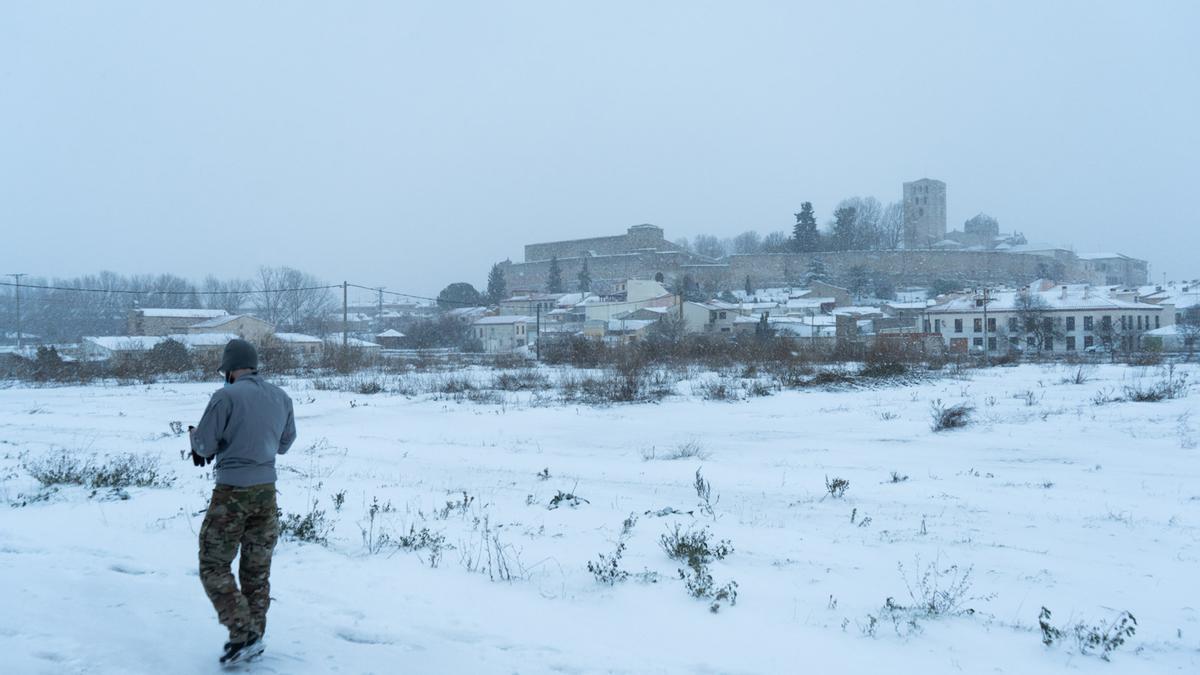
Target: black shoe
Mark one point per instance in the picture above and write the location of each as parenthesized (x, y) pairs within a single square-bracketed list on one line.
[(240, 652)]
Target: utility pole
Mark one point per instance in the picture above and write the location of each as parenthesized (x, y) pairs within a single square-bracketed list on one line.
[(987, 357), (537, 334), (345, 313), (379, 316), (17, 280)]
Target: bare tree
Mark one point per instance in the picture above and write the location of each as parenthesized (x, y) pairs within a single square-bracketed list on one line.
[(777, 242), (287, 297), (709, 246), (747, 242), (1037, 324), (891, 226), (228, 295)]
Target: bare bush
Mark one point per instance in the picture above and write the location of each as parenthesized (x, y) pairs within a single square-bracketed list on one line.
[(836, 487), (950, 417), (1102, 638), (685, 450), (119, 471)]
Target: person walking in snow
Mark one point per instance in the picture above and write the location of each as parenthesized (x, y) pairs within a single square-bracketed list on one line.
[(246, 424)]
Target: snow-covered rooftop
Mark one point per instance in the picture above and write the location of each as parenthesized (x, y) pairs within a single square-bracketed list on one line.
[(217, 321), (503, 320), (297, 338), (391, 333), (1075, 298), (161, 312)]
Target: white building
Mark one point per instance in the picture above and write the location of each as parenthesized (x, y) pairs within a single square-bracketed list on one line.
[(1045, 318), (504, 334)]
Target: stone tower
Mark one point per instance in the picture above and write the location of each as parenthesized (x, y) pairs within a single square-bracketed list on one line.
[(924, 213)]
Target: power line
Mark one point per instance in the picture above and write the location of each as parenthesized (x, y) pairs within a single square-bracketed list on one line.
[(159, 292), (249, 292)]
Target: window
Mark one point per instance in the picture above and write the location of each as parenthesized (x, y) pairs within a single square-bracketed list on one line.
[(1087, 323), (991, 324), (978, 325), (1012, 324), (1013, 342), (958, 325), (722, 315), (1031, 341), (1071, 343), (1106, 323), (978, 342), (1139, 322), (937, 325), (1047, 324), (1088, 341), (1156, 320), (925, 325), (1070, 323), (1048, 344), (991, 344)]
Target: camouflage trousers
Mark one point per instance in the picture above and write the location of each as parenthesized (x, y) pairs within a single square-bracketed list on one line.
[(245, 518)]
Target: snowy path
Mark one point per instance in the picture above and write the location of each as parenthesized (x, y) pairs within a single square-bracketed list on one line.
[(1088, 510)]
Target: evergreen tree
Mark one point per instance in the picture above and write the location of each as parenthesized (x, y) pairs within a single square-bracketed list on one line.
[(845, 229), (805, 237), (749, 287), (816, 271), (497, 287), (554, 280), (859, 279), (585, 278)]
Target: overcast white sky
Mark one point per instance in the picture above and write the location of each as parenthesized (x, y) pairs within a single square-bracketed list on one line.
[(413, 144)]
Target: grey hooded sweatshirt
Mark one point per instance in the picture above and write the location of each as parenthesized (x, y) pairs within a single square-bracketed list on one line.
[(245, 425)]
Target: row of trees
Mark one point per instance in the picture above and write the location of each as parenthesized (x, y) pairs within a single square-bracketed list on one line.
[(99, 304), (857, 223)]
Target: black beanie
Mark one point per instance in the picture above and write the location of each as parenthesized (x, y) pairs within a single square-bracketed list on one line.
[(238, 354)]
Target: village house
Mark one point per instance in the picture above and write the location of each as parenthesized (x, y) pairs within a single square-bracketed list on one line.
[(390, 339), (504, 334), (244, 326), (630, 295), (305, 347), (163, 321)]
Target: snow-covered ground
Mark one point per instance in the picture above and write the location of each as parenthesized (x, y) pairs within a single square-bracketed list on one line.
[(1049, 499)]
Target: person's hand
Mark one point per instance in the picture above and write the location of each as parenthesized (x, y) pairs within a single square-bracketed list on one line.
[(200, 460)]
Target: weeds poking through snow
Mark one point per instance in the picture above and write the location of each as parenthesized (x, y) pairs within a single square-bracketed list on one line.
[(607, 569), (566, 499), (432, 543), (704, 492), (836, 487), (938, 591), (897, 478), (311, 527), (1102, 638), (695, 548), (1169, 386), (950, 417), (375, 542), (120, 471), (544, 474), (685, 450)]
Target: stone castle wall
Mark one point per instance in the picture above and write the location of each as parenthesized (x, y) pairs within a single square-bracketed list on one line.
[(778, 269)]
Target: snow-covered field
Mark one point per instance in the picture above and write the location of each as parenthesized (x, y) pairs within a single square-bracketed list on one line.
[(1049, 499)]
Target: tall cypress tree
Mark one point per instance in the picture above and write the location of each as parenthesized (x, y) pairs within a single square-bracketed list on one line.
[(554, 280), (845, 233), (805, 237), (497, 287), (585, 278)]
